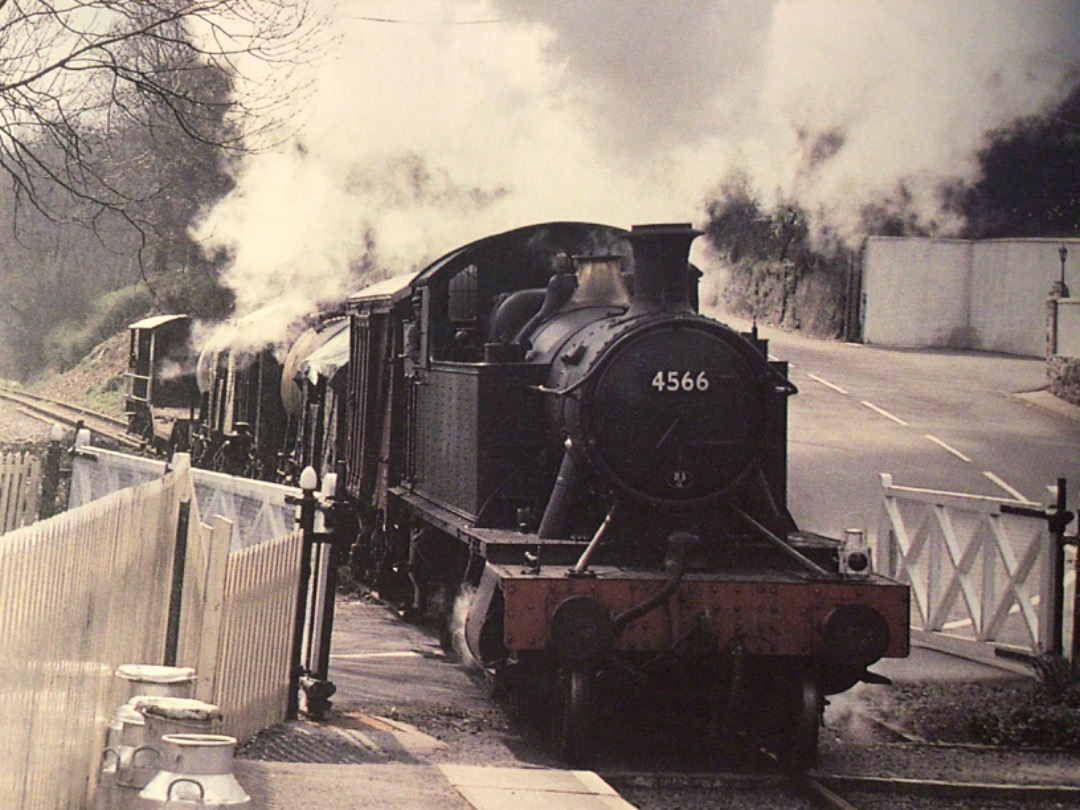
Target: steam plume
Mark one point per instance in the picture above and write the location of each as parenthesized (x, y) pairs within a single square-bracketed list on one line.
[(437, 122)]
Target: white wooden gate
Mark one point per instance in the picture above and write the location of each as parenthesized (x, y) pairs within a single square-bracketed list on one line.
[(259, 510), (981, 581)]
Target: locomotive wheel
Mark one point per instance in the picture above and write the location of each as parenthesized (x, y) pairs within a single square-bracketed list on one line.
[(573, 716), (800, 750), (794, 731), (779, 704)]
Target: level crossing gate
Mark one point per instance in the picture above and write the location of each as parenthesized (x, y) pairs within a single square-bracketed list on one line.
[(982, 580), (259, 510)]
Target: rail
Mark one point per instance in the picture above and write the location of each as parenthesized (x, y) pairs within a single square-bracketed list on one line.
[(66, 413)]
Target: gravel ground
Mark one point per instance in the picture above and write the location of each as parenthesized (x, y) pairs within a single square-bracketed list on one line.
[(19, 431)]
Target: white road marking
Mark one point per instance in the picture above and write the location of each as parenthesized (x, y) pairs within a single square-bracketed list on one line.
[(884, 413), (826, 383), (1011, 490), (948, 447), (354, 656)]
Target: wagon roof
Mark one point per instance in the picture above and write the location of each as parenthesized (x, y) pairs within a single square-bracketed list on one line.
[(393, 289), (330, 356), (157, 320)]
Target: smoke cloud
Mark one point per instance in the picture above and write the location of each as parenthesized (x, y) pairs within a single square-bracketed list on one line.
[(435, 122)]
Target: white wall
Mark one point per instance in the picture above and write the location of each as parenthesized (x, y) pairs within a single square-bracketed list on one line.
[(915, 291), (988, 295)]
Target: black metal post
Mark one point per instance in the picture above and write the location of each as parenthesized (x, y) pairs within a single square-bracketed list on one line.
[(50, 474), (1059, 522), (1057, 617), (172, 632), (1057, 518), (322, 666), (318, 689), (307, 529)]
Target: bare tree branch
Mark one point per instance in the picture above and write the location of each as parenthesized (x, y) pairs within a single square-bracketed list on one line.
[(78, 76)]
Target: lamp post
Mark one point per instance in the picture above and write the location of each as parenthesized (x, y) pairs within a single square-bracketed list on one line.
[(1059, 289)]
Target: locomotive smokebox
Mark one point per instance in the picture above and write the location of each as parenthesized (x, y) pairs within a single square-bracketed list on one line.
[(661, 267)]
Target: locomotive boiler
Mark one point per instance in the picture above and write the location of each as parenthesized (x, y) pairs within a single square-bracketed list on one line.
[(543, 420)]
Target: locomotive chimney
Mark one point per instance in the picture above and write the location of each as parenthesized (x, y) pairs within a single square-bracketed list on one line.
[(661, 267)]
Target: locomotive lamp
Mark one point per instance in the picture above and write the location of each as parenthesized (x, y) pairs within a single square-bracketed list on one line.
[(1059, 289), (855, 553)]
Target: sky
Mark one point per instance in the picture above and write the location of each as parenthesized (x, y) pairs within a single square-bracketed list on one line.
[(433, 123)]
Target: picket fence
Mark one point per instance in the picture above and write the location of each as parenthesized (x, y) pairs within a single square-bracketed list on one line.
[(20, 484), (89, 589)]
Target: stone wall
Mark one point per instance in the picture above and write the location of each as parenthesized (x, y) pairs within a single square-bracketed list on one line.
[(1063, 374)]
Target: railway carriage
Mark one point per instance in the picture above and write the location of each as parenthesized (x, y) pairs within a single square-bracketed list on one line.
[(542, 420), (242, 421)]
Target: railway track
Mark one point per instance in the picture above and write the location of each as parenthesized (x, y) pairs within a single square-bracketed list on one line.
[(766, 784), (47, 409), (831, 791)]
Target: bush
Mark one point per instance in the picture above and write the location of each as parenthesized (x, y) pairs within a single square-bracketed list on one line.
[(66, 345), (1042, 713), (781, 272), (193, 292), (1037, 724)]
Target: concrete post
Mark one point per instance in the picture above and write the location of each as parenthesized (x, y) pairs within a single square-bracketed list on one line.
[(1051, 325)]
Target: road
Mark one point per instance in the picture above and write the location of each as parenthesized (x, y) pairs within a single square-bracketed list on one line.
[(933, 418), (957, 421)]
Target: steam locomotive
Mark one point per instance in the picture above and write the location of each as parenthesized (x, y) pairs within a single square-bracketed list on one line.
[(541, 429), (543, 418)]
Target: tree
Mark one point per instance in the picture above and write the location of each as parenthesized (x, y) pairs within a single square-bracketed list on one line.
[(779, 269), (1030, 183), (123, 115), (77, 76)]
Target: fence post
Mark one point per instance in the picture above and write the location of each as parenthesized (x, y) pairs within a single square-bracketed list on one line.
[(172, 631), (887, 556), (50, 474), (1051, 326)]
